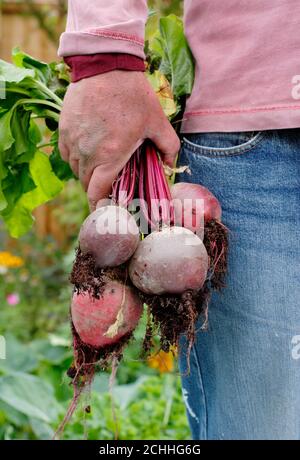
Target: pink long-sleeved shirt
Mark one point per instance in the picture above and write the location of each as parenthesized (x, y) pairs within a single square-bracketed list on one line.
[(247, 56)]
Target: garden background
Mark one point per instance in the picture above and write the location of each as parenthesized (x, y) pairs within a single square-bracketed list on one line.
[(35, 296)]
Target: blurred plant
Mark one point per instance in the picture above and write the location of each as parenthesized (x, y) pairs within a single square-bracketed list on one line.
[(34, 395), (71, 208), (162, 361), (13, 299), (166, 7), (8, 260), (35, 282), (51, 18)]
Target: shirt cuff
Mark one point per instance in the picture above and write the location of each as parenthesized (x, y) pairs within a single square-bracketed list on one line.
[(88, 65)]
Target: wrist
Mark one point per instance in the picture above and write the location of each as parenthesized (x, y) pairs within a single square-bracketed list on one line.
[(84, 66)]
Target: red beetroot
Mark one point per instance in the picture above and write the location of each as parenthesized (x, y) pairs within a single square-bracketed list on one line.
[(110, 234), (194, 205), (169, 261), (104, 321)]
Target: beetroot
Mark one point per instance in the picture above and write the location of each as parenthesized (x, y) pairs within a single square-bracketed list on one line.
[(104, 321), (169, 261), (194, 205), (110, 234), (172, 271)]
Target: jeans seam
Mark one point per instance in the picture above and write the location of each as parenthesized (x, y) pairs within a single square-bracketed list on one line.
[(202, 386), (226, 152)]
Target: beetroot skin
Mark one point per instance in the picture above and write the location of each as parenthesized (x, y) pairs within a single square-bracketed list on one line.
[(170, 261), (110, 234), (93, 318), (186, 212)]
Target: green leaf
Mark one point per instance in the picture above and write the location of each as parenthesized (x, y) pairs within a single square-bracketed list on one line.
[(40, 68), (47, 186), (43, 349), (61, 70), (15, 184), (177, 60), (13, 415), (6, 136), (125, 394), (13, 74), (3, 173), (3, 202), (34, 133), (163, 91), (20, 123), (59, 166), (19, 357), (41, 429), (29, 395)]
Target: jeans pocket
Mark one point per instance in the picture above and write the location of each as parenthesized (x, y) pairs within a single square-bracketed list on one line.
[(221, 144)]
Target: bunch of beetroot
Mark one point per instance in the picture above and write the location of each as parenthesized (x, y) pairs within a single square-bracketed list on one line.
[(169, 263), (170, 267)]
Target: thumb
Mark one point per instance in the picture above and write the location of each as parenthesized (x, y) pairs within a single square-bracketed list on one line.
[(166, 140)]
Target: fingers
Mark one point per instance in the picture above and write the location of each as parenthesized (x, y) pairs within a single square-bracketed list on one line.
[(74, 165), (166, 140), (100, 184), (63, 149), (86, 168)]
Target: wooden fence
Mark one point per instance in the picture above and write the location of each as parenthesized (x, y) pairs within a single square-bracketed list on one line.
[(20, 28)]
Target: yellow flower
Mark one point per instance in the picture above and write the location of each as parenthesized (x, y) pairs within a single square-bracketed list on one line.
[(8, 260), (162, 361)]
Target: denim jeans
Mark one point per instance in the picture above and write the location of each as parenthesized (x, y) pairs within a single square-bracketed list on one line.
[(244, 380)]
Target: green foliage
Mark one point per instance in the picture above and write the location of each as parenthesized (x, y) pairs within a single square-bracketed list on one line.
[(166, 7), (28, 177), (41, 285), (170, 49), (177, 60), (34, 389), (71, 208), (30, 111), (168, 55), (34, 396)]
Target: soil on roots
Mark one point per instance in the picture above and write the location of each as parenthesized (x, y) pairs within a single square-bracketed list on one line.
[(89, 359), (87, 277), (216, 244), (174, 315)]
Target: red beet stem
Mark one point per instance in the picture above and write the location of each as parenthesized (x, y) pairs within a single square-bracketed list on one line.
[(157, 192), (124, 186), (145, 168)]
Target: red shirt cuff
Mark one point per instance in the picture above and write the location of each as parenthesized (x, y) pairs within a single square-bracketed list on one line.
[(94, 64)]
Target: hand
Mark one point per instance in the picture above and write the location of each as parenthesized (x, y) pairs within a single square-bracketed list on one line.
[(104, 119)]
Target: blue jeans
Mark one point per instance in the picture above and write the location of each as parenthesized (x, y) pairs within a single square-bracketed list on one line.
[(244, 381)]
